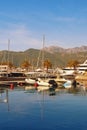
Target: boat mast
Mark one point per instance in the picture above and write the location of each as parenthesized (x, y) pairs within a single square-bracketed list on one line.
[(8, 49), (8, 52), (43, 52)]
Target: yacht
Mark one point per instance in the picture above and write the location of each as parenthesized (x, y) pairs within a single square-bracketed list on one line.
[(68, 70), (82, 76), (80, 69)]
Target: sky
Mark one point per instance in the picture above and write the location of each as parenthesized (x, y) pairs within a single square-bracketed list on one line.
[(24, 22)]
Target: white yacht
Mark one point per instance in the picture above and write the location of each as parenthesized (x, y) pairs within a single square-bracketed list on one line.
[(80, 69), (68, 70)]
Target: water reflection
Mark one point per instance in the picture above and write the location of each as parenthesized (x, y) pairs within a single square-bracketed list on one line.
[(29, 108), (3, 99), (4, 96), (4, 91)]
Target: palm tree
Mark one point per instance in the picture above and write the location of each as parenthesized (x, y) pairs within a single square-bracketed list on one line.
[(73, 63), (25, 65), (47, 64), (10, 64)]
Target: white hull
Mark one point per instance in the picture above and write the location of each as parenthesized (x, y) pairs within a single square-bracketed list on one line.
[(39, 82), (30, 81), (42, 83)]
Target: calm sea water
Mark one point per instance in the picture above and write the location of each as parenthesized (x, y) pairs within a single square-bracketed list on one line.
[(33, 110)]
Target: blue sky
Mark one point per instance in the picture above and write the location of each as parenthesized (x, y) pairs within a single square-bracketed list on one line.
[(24, 22)]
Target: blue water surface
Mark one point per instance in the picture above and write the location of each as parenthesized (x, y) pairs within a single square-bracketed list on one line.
[(33, 110)]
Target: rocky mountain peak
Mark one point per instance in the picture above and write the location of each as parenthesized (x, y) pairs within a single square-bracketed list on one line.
[(53, 49)]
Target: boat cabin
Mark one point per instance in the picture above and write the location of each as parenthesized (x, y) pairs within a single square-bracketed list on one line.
[(3, 68)]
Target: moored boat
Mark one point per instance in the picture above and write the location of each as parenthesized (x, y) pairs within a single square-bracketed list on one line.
[(81, 77), (13, 76), (81, 68), (30, 81), (38, 81)]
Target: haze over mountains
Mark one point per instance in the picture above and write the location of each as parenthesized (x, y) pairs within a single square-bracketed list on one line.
[(53, 49)]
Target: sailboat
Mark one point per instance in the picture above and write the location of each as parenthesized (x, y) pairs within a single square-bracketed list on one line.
[(39, 80), (7, 76)]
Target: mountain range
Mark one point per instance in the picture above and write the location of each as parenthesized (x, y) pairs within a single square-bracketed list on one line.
[(58, 56), (53, 49)]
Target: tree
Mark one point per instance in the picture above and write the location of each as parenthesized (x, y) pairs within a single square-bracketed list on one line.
[(47, 64), (73, 63), (10, 64), (25, 64)]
